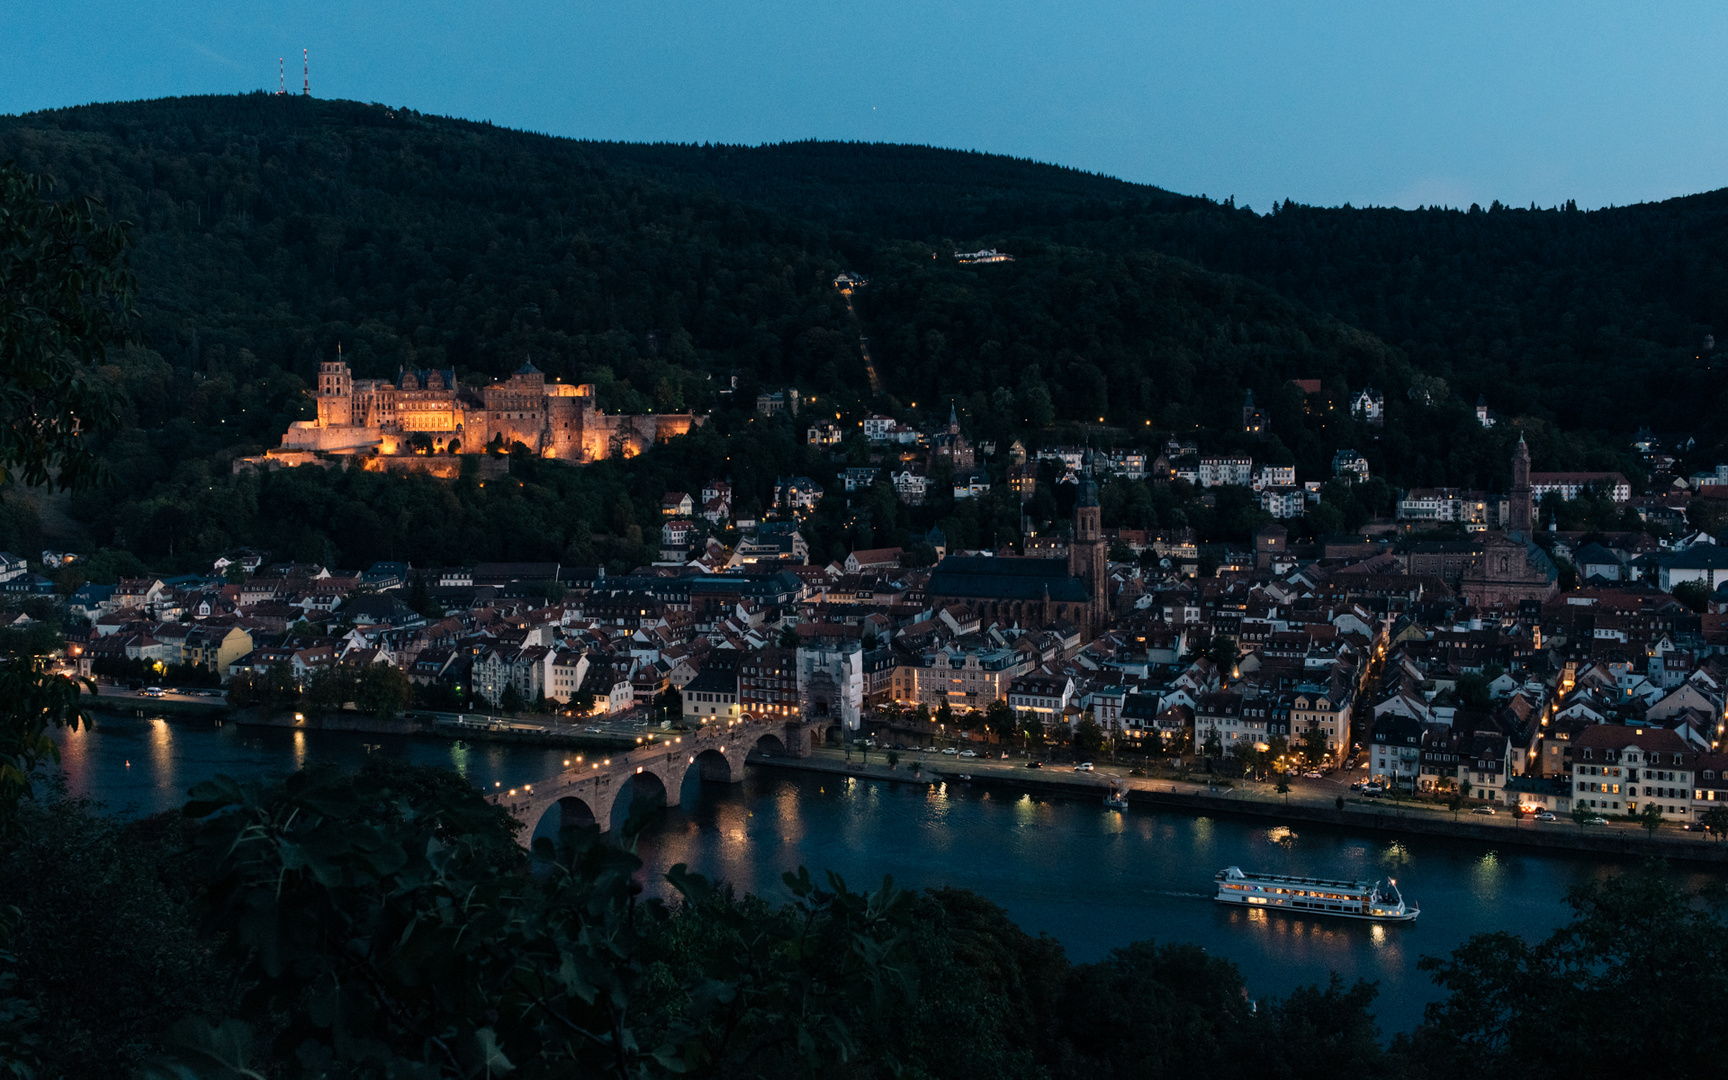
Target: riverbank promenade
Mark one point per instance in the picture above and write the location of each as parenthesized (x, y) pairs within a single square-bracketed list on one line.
[(1310, 801)]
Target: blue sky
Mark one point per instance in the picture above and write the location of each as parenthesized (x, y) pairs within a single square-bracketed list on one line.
[(1326, 103)]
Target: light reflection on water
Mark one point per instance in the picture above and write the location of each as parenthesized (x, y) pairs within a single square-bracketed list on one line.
[(1094, 878), (1098, 879), (142, 766)]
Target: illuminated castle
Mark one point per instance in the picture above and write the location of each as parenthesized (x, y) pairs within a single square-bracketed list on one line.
[(428, 412)]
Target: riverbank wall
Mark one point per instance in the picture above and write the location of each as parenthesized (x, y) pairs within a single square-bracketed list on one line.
[(354, 722), (136, 707), (526, 737), (1386, 820), (361, 723), (366, 724)]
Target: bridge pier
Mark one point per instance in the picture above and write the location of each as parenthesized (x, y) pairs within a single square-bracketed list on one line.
[(798, 739), (802, 736)]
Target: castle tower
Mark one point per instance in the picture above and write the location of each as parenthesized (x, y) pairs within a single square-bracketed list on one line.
[(335, 394), (1522, 513)]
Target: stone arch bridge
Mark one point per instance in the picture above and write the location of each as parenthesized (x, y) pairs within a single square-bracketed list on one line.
[(585, 793)]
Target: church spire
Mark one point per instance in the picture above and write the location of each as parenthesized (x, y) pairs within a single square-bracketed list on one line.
[(1521, 514), (1088, 495)]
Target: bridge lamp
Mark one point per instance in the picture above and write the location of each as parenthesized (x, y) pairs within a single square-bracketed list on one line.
[(638, 768)]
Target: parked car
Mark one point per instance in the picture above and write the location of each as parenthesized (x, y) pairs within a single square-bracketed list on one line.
[(1355, 785), (1084, 766), (1312, 774), (951, 751), (1596, 821), (1546, 815), (899, 746), (968, 753), (1487, 810)]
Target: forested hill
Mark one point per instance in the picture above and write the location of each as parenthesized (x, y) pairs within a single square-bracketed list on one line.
[(271, 230), (1593, 319)]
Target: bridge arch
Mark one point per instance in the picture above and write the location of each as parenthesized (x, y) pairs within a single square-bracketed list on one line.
[(653, 774), (716, 765), (769, 745), (569, 812), (641, 792)]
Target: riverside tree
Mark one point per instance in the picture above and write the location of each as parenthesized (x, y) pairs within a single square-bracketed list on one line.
[(65, 299), (1564, 1006)]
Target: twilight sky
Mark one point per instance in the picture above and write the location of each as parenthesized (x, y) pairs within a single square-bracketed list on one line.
[(1344, 101)]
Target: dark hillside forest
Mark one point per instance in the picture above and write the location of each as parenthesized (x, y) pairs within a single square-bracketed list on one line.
[(270, 231), (1582, 318)]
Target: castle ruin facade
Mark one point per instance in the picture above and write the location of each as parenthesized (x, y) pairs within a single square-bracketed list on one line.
[(429, 412)]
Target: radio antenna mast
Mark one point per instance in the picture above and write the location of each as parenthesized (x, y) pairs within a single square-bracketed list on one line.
[(281, 76), (306, 62)]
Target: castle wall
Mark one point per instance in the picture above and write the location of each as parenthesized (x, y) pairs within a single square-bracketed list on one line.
[(443, 466), (308, 435), (671, 425)]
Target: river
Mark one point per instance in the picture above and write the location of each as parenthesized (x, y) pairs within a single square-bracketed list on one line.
[(1093, 879)]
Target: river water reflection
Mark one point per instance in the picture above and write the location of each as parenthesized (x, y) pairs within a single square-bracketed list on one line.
[(1092, 878)]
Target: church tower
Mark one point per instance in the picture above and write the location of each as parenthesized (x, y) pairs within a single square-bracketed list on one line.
[(1088, 559), (1522, 513)]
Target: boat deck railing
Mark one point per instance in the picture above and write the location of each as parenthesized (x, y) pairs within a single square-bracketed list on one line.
[(1294, 880)]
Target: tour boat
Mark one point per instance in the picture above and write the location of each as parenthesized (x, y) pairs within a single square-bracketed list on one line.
[(1376, 901), (1116, 799)]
